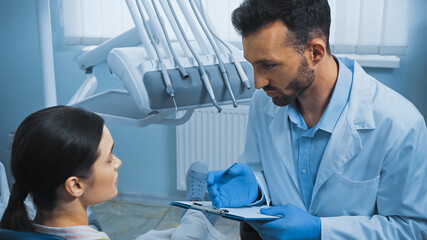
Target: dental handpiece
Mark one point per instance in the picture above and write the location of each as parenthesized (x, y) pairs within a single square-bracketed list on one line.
[(182, 70), (204, 76), (237, 64), (214, 47), (166, 78), (227, 84), (207, 83)]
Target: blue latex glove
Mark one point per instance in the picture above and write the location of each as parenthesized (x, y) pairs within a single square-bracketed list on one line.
[(234, 187), (293, 224)]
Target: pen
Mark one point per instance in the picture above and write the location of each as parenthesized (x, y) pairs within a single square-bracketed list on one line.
[(228, 170), (210, 209)]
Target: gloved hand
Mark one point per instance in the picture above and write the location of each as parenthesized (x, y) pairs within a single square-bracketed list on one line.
[(234, 187), (293, 224)]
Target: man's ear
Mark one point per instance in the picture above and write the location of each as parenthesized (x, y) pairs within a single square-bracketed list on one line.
[(74, 186), (316, 50)]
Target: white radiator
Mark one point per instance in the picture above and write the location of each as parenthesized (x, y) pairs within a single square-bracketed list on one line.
[(215, 138)]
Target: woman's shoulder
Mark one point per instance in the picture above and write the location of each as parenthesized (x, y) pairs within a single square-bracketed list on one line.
[(82, 232)]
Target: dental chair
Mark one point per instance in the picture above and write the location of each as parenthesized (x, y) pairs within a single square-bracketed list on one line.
[(6, 234)]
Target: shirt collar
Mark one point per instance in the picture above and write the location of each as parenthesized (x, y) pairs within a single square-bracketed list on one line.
[(295, 116), (336, 105)]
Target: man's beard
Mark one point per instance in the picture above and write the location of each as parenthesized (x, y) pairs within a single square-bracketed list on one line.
[(305, 77)]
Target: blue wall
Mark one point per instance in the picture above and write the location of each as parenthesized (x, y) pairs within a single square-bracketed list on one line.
[(20, 71), (410, 79), (148, 154)]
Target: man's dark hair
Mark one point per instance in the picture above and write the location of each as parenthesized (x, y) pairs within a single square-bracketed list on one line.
[(306, 19)]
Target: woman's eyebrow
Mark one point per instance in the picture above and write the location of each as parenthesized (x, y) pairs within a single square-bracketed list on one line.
[(111, 149)]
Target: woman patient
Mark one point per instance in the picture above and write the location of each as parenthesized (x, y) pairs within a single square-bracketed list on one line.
[(63, 157)]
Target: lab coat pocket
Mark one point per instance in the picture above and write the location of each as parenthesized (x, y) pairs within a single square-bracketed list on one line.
[(358, 184), (343, 196)]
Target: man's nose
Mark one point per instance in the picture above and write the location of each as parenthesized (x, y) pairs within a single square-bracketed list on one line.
[(260, 80)]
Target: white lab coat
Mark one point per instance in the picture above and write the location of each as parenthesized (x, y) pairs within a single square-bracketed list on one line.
[(372, 179), (193, 225)]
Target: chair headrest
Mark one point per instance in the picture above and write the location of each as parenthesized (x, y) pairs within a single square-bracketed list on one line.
[(6, 234)]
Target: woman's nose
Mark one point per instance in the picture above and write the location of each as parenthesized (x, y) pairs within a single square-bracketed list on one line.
[(118, 163)]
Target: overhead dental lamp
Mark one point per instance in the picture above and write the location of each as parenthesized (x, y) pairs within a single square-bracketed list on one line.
[(162, 77)]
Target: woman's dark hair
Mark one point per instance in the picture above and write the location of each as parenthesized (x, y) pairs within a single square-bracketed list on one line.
[(49, 146), (306, 19)]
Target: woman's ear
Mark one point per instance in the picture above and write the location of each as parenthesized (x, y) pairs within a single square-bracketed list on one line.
[(74, 186)]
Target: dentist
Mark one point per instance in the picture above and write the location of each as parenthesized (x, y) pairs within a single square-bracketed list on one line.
[(334, 152)]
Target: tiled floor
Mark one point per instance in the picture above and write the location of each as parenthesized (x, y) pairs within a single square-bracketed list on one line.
[(123, 220)]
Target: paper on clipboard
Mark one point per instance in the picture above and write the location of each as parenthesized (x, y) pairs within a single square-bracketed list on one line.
[(239, 214)]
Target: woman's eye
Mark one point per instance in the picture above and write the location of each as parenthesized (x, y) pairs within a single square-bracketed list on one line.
[(110, 159)]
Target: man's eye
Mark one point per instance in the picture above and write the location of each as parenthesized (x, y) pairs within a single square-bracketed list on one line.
[(268, 66)]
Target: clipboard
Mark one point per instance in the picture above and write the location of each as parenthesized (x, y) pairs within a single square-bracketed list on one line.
[(239, 214)]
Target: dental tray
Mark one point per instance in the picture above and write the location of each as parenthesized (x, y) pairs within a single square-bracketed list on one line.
[(116, 106)]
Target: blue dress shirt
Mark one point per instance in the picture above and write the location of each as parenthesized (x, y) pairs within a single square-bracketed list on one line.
[(309, 144)]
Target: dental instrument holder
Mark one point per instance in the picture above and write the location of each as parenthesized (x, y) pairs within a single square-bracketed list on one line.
[(146, 100), (143, 80), (191, 92)]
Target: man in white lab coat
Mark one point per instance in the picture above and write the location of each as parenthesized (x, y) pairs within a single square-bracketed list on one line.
[(336, 153)]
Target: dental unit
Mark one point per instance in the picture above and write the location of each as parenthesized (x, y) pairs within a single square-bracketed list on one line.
[(162, 76)]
